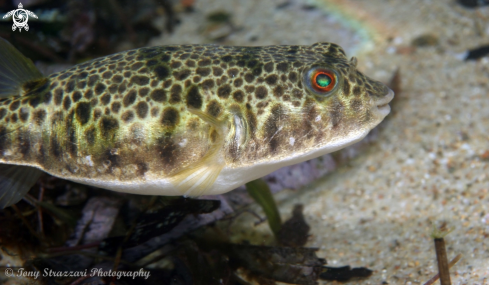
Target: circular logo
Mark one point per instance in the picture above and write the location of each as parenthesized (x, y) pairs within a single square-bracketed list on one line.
[(20, 17)]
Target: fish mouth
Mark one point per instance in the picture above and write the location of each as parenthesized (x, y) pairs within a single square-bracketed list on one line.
[(383, 104)]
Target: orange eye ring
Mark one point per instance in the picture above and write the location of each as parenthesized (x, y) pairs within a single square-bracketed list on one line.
[(323, 80)]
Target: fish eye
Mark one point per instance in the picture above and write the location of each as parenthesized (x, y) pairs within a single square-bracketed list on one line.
[(321, 80)]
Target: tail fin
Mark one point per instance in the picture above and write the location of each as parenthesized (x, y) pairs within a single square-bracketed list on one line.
[(15, 182), (15, 70)]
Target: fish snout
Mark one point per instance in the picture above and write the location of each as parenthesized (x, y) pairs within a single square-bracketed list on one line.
[(382, 102)]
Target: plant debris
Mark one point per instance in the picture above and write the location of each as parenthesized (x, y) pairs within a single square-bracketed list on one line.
[(477, 53), (473, 3), (425, 40), (295, 231), (344, 273)]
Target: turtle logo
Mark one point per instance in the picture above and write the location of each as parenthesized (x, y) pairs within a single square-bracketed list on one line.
[(20, 17)]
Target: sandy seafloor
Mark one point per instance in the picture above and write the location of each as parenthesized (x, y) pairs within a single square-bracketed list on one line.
[(426, 164)]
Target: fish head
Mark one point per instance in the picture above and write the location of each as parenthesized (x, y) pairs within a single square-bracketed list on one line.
[(347, 100)]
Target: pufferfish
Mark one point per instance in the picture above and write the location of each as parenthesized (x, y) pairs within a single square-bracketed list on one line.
[(180, 120)]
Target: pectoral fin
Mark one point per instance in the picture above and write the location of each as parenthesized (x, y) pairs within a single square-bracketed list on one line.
[(15, 182), (198, 179)]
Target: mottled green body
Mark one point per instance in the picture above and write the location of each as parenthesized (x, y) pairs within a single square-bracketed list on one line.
[(151, 113)]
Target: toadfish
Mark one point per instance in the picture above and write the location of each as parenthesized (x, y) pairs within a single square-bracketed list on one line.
[(180, 120)]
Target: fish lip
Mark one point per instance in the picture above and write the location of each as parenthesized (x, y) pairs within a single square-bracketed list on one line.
[(386, 99), (383, 104)]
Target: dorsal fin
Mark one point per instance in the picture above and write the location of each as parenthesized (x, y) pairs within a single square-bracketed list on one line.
[(15, 70)]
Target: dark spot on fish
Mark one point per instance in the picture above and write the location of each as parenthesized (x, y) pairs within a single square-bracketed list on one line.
[(90, 135), (3, 113), (233, 72), (152, 62), (336, 113), (190, 63), (115, 107), (63, 76), (14, 118), (283, 67), (88, 94), (14, 105), (204, 62), (162, 72), (268, 67), (346, 87), (55, 147), (108, 126), (252, 122), (142, 168), (168, 151), (136, 66), (249, 77), (252, 63), (76, 96), (67, 103), (271, 79), (272, 127), (227, 58), (293, 77), (238, 82), (159, 95), (81, 84), (143, 91), (238, 95), (224, 91), (249, 89), (167, 83), (117, 79), (82, 75), (214, 108), (39, 116), (105, 99), (122, 88), (140, 80), (181, 75), (261, 92), (357, 91), (176, 90), (170, 117), (99, 88), (217, 71), (175, 64), (356, 104), (35, 101), (127, 116), (107, 75), (24, 114), (194, 99), (129, 98), (208, 84), (203, 71), (257, 70), (142, 109), (278, 91), (92, 80), (82, 112)]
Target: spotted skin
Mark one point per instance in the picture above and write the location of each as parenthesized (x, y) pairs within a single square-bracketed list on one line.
[(134, 115)]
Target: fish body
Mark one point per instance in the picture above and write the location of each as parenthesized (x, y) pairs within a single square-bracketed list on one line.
[(181, 120)]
